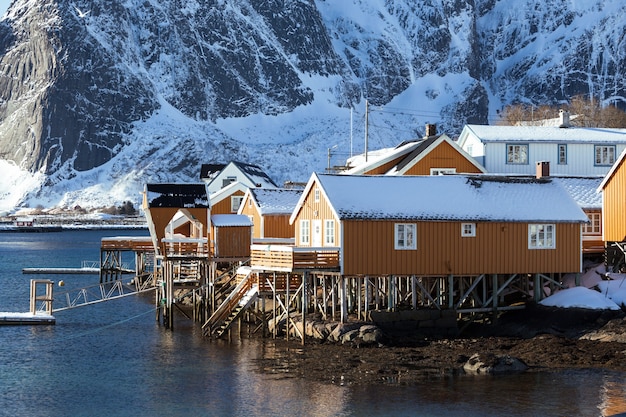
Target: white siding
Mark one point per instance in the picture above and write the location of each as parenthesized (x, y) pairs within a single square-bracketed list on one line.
[(229, 170), (474, 147), (580, 159)]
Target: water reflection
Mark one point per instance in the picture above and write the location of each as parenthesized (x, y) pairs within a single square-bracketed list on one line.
[(613, 397)]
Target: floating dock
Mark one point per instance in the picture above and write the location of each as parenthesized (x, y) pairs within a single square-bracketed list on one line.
[(26, 318), (67, 271)]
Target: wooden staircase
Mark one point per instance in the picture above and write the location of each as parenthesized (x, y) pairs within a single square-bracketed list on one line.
[(244, 294)]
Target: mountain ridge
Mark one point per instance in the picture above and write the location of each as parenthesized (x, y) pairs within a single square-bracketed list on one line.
[(96, 98)]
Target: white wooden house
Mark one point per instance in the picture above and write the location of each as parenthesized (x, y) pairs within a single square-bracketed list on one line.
[(575, 151), (247, 174)]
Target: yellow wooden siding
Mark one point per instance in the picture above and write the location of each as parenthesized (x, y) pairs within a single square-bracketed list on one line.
[(443, 156), (498, 248), (223, 207), (313, 210), (614, 206), (248, 208)]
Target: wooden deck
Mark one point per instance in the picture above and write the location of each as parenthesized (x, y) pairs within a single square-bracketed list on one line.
[(286, 258), (593, 244), (127, 243)]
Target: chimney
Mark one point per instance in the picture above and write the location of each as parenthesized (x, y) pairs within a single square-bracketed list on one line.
[(564, 118), (431, 130), (543, 169)]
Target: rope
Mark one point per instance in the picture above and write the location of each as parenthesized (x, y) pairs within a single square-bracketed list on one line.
[(99, 329)]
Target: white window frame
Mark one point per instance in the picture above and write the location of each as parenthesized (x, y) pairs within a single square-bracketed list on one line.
[(316, 195), (517, 154), (329, 232), (468, 229), (235, 203), (442, 171), (604, 155), (305, 232), (542, 236), (405, 236), (594, 227), (561, 154)]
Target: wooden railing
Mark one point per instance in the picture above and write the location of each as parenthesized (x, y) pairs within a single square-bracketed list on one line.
[(290, 258), (186, 247)]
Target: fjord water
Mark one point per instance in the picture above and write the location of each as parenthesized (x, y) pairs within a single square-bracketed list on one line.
[(114, 359)]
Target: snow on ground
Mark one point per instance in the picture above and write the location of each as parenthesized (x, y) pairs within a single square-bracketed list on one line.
[(580, 297), (15, 184), (609, 295)]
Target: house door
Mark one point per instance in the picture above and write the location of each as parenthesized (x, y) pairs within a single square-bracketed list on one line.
[(317, 233)]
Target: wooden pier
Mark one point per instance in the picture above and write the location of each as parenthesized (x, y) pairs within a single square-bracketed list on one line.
[(36, 315)]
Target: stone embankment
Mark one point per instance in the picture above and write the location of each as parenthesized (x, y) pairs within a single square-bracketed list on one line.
[(353, 333)]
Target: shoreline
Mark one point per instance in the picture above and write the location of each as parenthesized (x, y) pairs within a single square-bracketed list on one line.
[(543, 339)]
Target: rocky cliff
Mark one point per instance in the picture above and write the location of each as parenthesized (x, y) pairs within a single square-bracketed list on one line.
[(98, 97)]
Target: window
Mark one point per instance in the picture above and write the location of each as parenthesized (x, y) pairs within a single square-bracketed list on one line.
[(442, 171), (595, 225), (228, 180), (305, 232), (235, 202), (468, 229), (317, 195), (541, 236), (405, 236), (562, 156), (329, 232), (517, 154), (605, 154)]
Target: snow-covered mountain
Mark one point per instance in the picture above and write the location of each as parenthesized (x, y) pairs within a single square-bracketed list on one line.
[(98, 97)]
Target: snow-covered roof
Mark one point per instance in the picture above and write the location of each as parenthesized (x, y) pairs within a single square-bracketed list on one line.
[(210, 171), (584, 190), (488, 133), (177, 195), (225, 220), (227, 191), (424, 148), (379, 157), (275, 200), (255, 174), (447, 198)]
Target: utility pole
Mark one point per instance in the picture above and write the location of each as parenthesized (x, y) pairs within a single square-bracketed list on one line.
[(366, 126), (350, 132)]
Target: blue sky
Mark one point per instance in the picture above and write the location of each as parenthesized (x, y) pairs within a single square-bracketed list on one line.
[(4, 5)]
